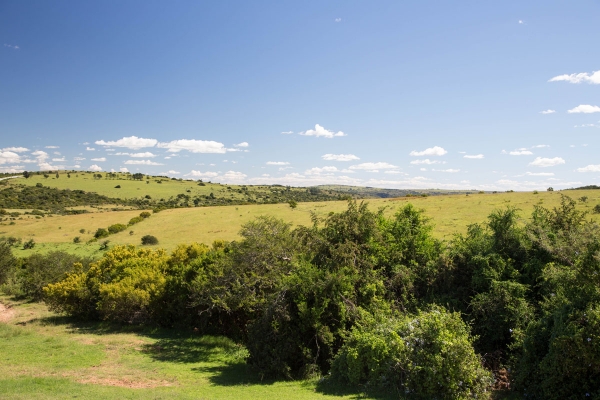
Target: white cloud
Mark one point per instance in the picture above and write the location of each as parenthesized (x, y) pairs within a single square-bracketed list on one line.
[(318, 171), (546, 162), (391, 171), (123, 169), (171, 172), (15, 149), (62, 159), (95, 168), (584, 108), (243, 144), (15, 169), (339, 157), (450, 170), (548, 112), (78, 158), (141, 162), (539, 146), (200, 174), (193, 146), (427, 161), (277, 163), (15, 47), (287, 133), (146, 154), (130, 142), (587, 126), (338, 20), (432, 151), (540, 173), (477, 156), (521, 22), (9, 157), (232, 177), (518, 152), (319, 131), (590, 168), (97, 159), (90, 148), (53, 147), (593, 78), (373, 166)]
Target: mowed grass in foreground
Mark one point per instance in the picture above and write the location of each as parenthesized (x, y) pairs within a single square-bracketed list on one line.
[(46, 356), (449, 213)]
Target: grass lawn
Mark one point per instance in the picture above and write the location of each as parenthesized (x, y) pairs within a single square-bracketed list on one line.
[(46, 356)]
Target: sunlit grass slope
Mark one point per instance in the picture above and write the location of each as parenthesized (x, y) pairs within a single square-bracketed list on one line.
[(450, 214)]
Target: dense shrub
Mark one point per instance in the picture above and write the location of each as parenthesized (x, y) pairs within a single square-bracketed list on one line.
[(429, 355), (7, 260), (149, 240), (116, 228), (39, 270), (145, 214), (30, 244), (121, 286), (101, 233)]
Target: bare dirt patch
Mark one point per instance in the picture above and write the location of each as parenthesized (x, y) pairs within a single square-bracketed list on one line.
[(6, 313)]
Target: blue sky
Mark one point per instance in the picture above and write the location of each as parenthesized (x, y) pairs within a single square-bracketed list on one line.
[(430, 94)]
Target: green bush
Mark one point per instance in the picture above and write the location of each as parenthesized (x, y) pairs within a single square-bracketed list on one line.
[(149, 240), (30, 244), (145, 214), (40, 270), (7, 260), (116, 228), (135, 220), (101, 233), (428, 355)]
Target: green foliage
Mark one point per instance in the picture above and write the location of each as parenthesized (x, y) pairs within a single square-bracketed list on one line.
[(135, 220), (116, 228), (7, 260), (30, 244), (40, 270), (596, 209), (77, 239), (101, 233), (149, 240), (428, 355), (145, 214)]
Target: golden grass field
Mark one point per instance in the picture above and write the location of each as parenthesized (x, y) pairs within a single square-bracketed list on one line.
[(449, 213)]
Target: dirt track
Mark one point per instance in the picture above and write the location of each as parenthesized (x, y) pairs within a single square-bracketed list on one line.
[(6, 313)]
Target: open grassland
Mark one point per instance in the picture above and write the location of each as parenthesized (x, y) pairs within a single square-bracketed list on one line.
[(46, 356), (450, 214)]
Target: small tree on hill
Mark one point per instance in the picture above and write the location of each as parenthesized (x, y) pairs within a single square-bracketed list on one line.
[(149, 240)]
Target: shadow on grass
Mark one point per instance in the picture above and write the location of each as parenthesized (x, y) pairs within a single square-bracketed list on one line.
[(224, 359)]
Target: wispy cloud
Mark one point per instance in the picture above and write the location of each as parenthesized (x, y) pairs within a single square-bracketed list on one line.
[(432, 151), (518, 152), (546, 162), (90, 149), (142, 162), (15, 149), (593, 78), (539, 146), (194, 146), (287, 132), (548, 111), (277, 163), (339, 157), (338, 20), (145, 154), (101, 159), (427, 161), (243, 144), (539, 173), (11, 46), (476, 156), (373, 166), (320, 131), (450, 170), (585, 109)]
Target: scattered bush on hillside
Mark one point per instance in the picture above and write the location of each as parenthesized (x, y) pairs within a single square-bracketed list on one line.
[(596, 209), (77, 239), (135, 220), (30, 244), (116, 228), (149, 240), (101, 233), (145, 214)]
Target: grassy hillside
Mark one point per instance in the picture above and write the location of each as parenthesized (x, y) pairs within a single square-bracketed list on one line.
[(450, 214)]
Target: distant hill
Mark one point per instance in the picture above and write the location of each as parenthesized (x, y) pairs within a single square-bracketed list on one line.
[(372, 192), (588, 187)]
